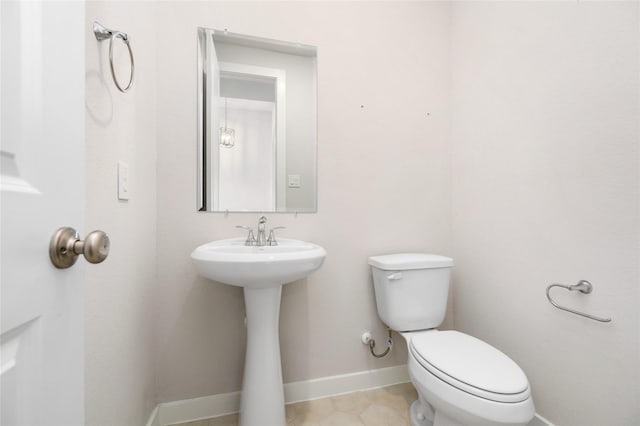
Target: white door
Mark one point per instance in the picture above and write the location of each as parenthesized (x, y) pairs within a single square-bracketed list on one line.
[(41, 187)]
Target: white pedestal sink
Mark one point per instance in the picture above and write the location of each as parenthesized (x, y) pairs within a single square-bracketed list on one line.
[(261, 271)]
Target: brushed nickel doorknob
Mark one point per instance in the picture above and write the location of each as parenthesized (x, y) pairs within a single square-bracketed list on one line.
[(66, 245)]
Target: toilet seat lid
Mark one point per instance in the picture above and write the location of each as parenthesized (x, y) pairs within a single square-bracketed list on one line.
[(470, 365)]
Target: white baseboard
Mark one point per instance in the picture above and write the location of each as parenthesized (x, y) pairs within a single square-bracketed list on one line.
[(153, 418), (345, 383), (205, 407), (538, 420)]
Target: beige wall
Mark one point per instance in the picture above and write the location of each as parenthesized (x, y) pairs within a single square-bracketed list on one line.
[(545, 189), (120, 294), (383, 185)]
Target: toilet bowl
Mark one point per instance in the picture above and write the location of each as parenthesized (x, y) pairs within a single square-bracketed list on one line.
[(460, 380)]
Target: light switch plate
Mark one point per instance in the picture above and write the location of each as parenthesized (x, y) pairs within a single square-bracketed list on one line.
[(123, 181), (293, 181)]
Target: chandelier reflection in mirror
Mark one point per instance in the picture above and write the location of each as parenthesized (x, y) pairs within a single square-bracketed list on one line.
[(256, 124), (227, 136)]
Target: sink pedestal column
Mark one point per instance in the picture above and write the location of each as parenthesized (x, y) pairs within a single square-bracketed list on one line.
[(262, 401)]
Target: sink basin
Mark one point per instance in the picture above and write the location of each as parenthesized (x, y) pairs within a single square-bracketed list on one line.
[(261, 271), (231, 262)]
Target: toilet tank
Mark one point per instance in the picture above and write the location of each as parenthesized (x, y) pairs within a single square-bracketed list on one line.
[(411, 289)]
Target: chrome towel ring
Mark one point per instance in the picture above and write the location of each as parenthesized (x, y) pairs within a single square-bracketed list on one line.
[(103, 33), (583, 287)]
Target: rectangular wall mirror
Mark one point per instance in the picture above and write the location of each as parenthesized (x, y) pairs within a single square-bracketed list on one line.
[(256, 124)]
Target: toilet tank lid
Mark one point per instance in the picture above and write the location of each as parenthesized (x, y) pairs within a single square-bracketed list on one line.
[(404, 261)]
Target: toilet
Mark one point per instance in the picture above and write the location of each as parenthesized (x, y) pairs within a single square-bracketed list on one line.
[(460, 380)]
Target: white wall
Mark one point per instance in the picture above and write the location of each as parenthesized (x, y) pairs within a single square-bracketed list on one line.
[(545, 189), (120, 294), (383, 185)]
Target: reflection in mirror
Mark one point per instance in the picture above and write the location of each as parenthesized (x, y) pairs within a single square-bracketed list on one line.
[(256, 124)]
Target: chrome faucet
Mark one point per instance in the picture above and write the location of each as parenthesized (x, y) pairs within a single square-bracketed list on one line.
[(261, 239)]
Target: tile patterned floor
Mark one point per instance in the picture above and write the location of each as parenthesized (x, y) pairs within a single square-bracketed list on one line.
[(388, 406)]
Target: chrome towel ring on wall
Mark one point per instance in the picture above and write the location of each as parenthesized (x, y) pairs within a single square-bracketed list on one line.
[(583, 287), (103, 33)]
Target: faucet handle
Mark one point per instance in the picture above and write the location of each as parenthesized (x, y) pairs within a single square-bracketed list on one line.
[(271, 241), (251, 239)]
